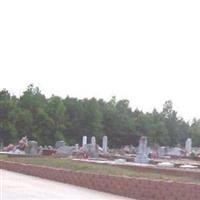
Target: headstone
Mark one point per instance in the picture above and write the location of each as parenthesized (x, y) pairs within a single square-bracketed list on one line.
[(188, 146), (84, 141), (142, 154), (1, 146), (176, 152), (162, 151), (93, 140), (91, 150), (76, 147), (105, 144), (32, 148), (40, 149), (60, 144), (65, 150), (94, 151)]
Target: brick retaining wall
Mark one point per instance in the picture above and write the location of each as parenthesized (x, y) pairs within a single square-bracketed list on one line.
[(139, 188)]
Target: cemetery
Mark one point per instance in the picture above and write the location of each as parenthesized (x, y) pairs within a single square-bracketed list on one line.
[(143, 168)]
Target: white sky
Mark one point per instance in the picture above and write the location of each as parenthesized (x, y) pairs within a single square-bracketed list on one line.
[(143, 51)]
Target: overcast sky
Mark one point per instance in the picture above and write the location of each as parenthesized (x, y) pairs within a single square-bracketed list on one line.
[(143, 51)]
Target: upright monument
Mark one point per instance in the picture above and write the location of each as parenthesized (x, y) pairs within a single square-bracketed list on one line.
[(141, 156)]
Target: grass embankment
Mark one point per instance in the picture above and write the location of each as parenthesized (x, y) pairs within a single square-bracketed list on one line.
[(65, 163)]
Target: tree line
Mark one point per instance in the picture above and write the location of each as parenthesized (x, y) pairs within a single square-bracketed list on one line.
[(47, 120)]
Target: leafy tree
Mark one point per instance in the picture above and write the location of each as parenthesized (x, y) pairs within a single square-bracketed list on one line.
[(49, 119), (43, 128), (56, 111), (7, 119), (24, 123), (171, 122), (195, 132)]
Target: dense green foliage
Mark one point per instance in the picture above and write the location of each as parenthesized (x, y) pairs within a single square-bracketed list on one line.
[(50, 119)]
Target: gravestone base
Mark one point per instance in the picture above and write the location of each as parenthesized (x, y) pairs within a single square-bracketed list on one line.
[(91, 150), (59, 144), (142, 158)]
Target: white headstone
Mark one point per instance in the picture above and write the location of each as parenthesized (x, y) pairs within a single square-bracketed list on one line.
[(105, 144), (188, 146), (84, 141), (93, 140)]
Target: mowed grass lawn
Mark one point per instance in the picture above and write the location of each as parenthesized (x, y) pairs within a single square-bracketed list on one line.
[(66, 163)]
